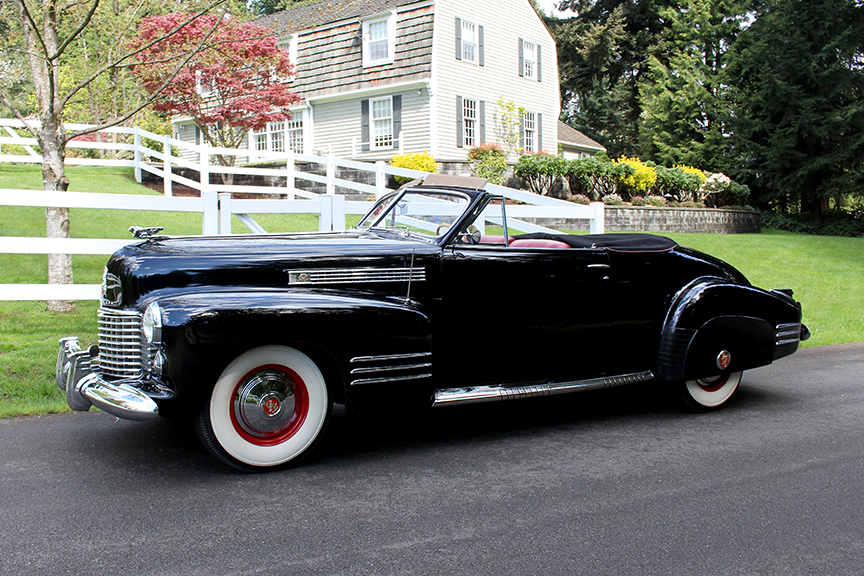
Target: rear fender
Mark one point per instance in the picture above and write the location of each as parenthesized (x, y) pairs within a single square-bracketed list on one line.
[(715, 327)]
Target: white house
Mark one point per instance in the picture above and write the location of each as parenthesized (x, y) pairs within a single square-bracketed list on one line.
[(380, 76)]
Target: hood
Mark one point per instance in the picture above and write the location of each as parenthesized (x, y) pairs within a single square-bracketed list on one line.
[(254, 261)]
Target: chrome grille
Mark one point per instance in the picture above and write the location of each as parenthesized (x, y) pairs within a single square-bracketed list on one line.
[(121, 346)]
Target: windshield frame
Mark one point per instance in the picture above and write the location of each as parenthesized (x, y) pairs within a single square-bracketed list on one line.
[(374, 219)]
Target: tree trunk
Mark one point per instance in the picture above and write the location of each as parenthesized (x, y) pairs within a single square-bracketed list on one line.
[(53, 142)]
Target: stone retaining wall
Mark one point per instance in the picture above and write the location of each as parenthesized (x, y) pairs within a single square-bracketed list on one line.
[(651, 219)]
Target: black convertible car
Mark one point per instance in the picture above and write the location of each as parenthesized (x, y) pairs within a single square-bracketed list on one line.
[(256, 337)]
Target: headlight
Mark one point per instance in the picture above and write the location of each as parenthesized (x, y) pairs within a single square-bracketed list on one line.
[(152, 324)]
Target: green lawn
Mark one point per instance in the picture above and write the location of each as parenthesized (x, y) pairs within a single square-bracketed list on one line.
[(827, 274)]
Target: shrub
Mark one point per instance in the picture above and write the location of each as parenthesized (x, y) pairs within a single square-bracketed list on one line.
[(541, 171), (691, 204), (612, 200), (580, 199), (641, 178), (676, 183), (414, 161), (639, 201), (488, 161), (658, 201)]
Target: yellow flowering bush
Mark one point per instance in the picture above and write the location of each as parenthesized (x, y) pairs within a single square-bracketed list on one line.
[(415, 161), (692, 170), (641, 178)]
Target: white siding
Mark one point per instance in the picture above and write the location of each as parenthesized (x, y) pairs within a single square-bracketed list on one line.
[(338, 123), (504, 23)]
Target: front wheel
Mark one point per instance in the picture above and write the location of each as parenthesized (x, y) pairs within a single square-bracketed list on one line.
[(710, 393), (268, 409)]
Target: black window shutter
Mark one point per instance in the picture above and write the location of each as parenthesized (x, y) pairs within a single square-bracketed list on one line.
[(521, 59), (480, 57), (539, 68), (364, 125), (482, 119), (458, 38), (397, 119), (460, 138), (539, 132)]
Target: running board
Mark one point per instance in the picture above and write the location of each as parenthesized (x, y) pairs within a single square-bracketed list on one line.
[(475, 394)]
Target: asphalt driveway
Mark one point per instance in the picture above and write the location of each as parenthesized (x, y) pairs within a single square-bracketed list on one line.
[(612, 482)]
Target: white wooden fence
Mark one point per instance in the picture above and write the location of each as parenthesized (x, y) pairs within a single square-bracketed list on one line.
[(216, 203)]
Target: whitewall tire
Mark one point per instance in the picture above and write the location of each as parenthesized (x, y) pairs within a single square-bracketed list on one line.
[(267, 409), (710, 393)]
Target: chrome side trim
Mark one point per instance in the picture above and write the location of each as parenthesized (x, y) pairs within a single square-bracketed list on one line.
[(373, 369), (385, 379), (391, 357), (475, 394), (391, 368), (355, 275)]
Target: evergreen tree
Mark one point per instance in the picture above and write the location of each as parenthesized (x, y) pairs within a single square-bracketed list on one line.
[(799, 102), (602, 55), (682, 95)]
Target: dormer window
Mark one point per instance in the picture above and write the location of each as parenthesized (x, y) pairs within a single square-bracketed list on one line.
[(379, 40)]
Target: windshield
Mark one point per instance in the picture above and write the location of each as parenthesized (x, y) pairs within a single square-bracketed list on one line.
[(425, 214)]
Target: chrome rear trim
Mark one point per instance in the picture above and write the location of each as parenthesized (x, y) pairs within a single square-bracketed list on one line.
[(475, 394), (787, 333)]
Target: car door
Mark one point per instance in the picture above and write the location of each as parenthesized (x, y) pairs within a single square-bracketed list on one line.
[(513, 314)]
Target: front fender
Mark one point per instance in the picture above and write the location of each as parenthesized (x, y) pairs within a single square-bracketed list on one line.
[(203, 331), (711, 316)]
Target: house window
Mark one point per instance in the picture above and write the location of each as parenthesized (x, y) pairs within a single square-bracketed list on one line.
[(382, 122), (529, 60), (529, 122), (294, 133), (469, 42), (469, 119), (378, 41), (275, 135)]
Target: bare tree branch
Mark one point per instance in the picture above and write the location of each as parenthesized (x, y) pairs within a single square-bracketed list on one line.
[(84, 23)]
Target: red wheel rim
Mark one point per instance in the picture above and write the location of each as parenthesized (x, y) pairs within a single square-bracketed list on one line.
[(713, 385), (269, 405)]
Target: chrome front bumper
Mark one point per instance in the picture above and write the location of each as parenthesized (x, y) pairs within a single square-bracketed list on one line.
[(85, 388)]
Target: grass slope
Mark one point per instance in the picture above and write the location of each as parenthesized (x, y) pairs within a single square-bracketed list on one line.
[(827, 274)]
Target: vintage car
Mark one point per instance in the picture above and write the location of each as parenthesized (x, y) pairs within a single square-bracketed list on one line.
[(431, 300)]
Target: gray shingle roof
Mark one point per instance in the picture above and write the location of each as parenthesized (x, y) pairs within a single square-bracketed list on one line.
[(569, 135), (311, 15)]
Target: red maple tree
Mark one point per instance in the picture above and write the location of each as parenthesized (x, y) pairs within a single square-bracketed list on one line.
[(234, 78)]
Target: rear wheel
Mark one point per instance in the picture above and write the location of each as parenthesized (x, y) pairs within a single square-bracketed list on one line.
[(710, 393), (268, 409)]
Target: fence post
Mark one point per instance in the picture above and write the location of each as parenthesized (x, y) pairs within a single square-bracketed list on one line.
[(338, 217), (325, 213), (598, 218), (331, 173), (167, 180), (210, 225), (224, 213), (380, 179), (290, 182), (400, 142), (137, 154)]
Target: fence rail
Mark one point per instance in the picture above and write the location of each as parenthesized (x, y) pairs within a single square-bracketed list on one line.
[(217, 203)]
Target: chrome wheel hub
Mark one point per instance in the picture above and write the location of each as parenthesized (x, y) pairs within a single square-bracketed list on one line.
[(264, 403)]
